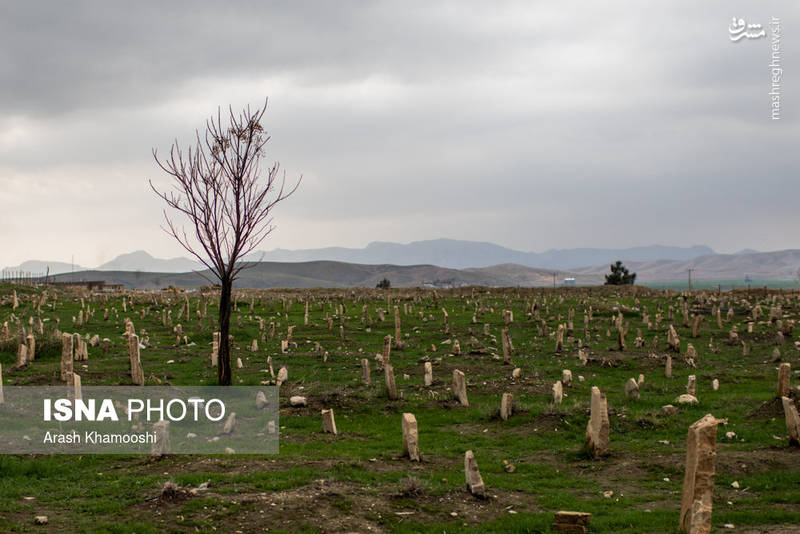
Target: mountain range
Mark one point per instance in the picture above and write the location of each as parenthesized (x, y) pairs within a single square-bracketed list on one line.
[(457, 254), (261, 275), (142, 261), (464, 262), (448, 253), (782, 264)]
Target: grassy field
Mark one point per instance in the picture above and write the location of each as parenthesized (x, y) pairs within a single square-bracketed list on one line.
[(358, 481), (755, 284)]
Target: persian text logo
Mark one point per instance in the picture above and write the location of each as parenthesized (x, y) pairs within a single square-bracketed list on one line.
[(739, 30)]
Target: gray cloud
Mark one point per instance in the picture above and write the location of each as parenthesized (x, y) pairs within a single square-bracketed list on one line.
[(534, 126)]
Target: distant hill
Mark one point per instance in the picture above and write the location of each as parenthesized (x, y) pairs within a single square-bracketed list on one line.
[(457, 254), (39, 266), (441, 260), (763, 265), (339, 274), (448, 253), (142, 261), (782, 264)]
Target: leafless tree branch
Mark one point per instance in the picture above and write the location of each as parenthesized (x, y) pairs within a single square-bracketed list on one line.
[(219, 186)]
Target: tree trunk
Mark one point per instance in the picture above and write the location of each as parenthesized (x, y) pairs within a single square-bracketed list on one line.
[(224, 360)]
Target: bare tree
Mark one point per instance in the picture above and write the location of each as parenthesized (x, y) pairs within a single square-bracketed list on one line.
[(228, 198)]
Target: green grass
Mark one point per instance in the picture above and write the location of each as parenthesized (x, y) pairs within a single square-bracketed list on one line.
[(754, 284), (323, 483)]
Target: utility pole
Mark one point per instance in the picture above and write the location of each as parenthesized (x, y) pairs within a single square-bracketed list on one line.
[(690, 278)]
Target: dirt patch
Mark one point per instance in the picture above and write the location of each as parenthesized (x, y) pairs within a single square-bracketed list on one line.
[(331, 507), (770, 459), (727, 462), (771, 408), (616, 471), (768, 529), (548, 421)]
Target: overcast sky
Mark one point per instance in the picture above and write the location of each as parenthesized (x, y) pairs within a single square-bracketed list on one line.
[(531, 125)]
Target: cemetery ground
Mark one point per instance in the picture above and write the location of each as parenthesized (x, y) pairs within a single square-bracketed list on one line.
[(533, 464)]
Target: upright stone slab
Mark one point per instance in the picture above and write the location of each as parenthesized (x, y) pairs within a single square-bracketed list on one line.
[(410, 437), (506, 347), (387, 349), (566, 378), (137, 375), (76, 347), (698, 482), (365, 371), (673, 341), (460, 387), (668, 367), (428, 374), (66, 356), (560, 339), (84, 351), (784, 375), (161, 445), (473, 476), (391, 386), (215, 350), (261, 400), (283, 376), (38, 326), (632, 389), (691, 385), (230, 424), (506, 406), (598, 428), (397, 332), (30, 342), (558, 392), (22, 355), (792, 420), (328, 422), (76, 386)]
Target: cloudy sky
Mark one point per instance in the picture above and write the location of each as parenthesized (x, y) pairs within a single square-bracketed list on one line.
[(531, 125)]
